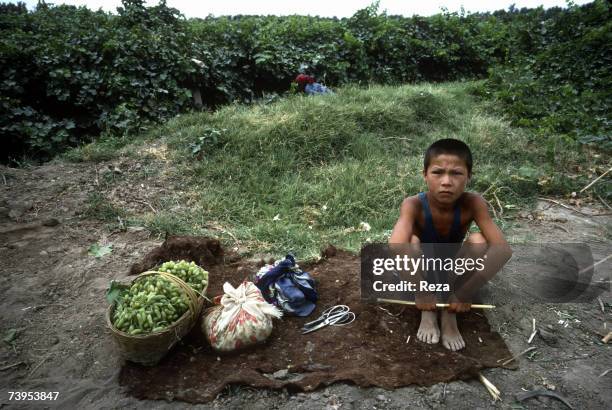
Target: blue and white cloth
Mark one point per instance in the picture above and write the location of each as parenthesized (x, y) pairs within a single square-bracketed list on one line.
[(285, 285), (316, 88)]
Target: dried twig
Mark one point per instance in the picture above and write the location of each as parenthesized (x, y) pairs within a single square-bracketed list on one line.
[(389, 313), (607, 337), (38, 365), (581, 271), (532, 333), (408, 340), (595, 180), (494, 211), (563, 228), (218, 227), (147, 204), (605, 372), (397, 138), (38, 307), (10, 366), (501, 209), (493, 391), (96, 181), (564, 206), (604, 202), (488, 189), (4, 179), (601, 305), (507, 361)]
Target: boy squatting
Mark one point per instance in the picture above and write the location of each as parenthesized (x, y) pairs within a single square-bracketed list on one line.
[(444, 214)]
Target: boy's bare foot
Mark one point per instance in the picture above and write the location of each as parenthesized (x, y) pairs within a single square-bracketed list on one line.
[(451, 338), (429, 332)]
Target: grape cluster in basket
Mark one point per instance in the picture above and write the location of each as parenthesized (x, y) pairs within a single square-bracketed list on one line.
[(151, 304), (189, 272)]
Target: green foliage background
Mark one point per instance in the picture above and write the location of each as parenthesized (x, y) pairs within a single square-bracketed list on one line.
[(69, 74)]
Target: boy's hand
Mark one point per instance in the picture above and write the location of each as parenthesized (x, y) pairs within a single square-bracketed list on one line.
[(459, 307), (425, 301)]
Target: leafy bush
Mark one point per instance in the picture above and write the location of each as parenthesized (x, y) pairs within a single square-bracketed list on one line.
[(559, 80), (70, 74)]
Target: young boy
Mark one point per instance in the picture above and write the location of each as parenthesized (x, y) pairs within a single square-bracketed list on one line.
[(444, 214)]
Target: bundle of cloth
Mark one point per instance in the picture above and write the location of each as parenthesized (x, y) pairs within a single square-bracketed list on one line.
[(286, 286), (308, 84)]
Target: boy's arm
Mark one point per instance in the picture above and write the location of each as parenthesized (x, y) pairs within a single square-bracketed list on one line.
[(402, 231), (497, 254)]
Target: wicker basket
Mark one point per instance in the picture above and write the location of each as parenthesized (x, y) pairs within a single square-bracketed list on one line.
[(148, 349)]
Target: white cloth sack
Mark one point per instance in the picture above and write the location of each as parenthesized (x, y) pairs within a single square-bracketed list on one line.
[(243, 318)]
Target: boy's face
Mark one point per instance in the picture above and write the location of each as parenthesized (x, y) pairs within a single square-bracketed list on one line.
[(446, 177)]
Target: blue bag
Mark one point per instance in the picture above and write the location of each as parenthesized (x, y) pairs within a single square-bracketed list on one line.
[(285, 285)]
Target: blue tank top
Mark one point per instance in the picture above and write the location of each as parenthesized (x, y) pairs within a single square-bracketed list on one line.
[(430, 235)]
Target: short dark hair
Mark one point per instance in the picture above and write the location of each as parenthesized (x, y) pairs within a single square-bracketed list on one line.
[(449, 146)]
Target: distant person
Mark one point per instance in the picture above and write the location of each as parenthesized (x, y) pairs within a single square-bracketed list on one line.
[(307, 84)]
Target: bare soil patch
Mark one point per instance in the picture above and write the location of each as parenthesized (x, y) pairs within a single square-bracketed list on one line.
[(52, 300)]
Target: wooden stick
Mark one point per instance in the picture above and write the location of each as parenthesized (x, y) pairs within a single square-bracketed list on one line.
[(10, 366), (581, 271), (517, 356), (564, 206), (440, 305), (573, 209), (604, 202), (595, 180), (532, 333), (607, 337), (501, 209), (493, 391), (38, 365)]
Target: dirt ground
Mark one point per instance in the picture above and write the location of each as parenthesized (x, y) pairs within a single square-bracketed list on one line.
[(52, 305)]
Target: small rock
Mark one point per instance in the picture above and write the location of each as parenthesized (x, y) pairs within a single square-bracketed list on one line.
[(309, 347), (54, 340), (315, 396), (43, 253), (50, 222), (281, 374), (381, 397), (80, 354), (549, 338)]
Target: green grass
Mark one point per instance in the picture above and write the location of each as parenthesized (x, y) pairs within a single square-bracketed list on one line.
[(303, 172)]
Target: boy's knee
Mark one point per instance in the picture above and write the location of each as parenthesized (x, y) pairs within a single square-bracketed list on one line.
[(415, 240), (476, 237)]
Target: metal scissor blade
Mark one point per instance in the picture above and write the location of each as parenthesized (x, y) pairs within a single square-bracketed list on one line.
[(315, 322), (311, 329), (308, 329)]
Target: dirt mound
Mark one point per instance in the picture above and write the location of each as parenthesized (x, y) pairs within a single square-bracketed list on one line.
[(203, 251), (372, 351)]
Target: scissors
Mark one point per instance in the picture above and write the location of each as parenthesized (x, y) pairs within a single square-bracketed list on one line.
[(338, 315)]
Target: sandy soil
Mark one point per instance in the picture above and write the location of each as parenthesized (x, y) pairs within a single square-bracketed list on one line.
[(52, 300)]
